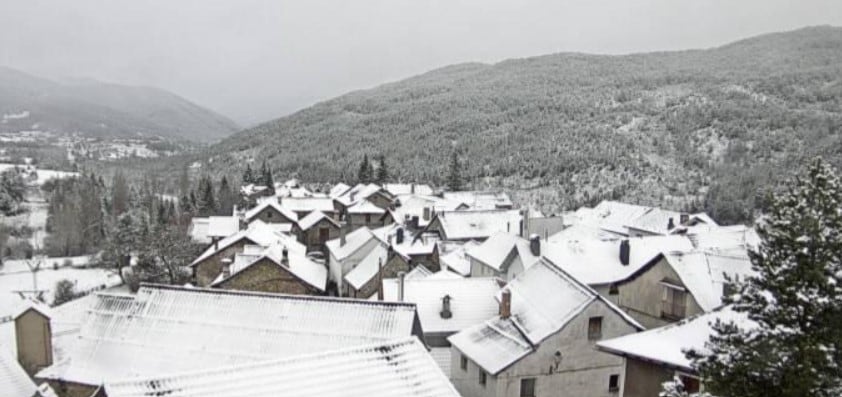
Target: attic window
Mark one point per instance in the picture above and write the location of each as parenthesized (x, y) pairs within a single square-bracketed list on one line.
[(594, 328), (673, 302), (613, 289)]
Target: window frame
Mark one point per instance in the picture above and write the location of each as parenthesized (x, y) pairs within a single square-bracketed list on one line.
[(673, 301), (591, 334), (615, 380), (483, 377), (524, 381), (463, 362)]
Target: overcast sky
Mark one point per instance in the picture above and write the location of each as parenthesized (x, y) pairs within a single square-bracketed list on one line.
[(255, 60)]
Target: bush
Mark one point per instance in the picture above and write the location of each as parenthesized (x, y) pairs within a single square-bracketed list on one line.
[(65, 292)]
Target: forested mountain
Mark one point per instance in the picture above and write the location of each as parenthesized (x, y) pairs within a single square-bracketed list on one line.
[(711, 128), (98, 109)]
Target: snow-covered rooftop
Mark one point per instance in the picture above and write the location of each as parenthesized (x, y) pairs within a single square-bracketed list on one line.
[(365, 207), (357, 193), (313, 218), (273, 203), (338, 189), (368, 267), (667, 344), (472, 300), (704, 273), (465, 225), (257, 232), (297, 263), (481, 200), (298, 204), (452, 256), (497, 249), (596, 262), (353, 242), (408, 188), (165, 330), (397, 368), (14, 382)]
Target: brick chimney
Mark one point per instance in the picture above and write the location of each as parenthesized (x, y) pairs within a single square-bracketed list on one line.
[(535, 244), (506, 304), (625, 252)]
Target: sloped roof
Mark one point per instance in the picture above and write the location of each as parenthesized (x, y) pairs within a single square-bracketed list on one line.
[(703, 273), (724, 237), (365, 207), (357, 193), (353, 242), (494, 251), (583, 231), (543, 300), (313, 218), (307, 204), (454, 257), (273, 203), (338, 189), (223, 226), (397, 368), (165, 330), (414, 205), (367, 269), (481, 200), (472, 300), (298, 264), (596, 262), (609, 215), (418, 272), (666, 345), (14, 382), (257, 232), (464, 225), (408, 188)]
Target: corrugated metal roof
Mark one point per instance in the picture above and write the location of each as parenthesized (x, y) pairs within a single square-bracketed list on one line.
[(397, 368), (171, 329), (14, 382)]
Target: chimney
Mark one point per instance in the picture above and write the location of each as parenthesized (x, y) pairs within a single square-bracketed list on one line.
[(215, 240), (397, 203), (226, 268), (427, 213), (380, 279), (399, 236), (285, 257), (535, 244), (506, 304), (353, 196), (401, 281), (684, 218), (445, 307), (414, 223), (524, 223), (670, 224), (342, 235), (625, 252), (412, 188)]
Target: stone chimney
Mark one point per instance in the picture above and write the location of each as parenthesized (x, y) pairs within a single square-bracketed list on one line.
[(535, 244), (505, 304), (445, 307), (670, 224), (380, 279), (401, 285), (625, 252), (215, 240)]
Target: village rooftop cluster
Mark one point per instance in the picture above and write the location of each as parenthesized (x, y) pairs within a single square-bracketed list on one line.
[(400, 290)]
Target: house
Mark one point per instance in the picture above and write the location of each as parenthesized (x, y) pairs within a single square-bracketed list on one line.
[(635, 220), (338, 189), (400, 367), (451, 256), (415, 211), (542, 342), (166, 330), (445, 306), (253, 192), (657, 280), (206, 230), (658, 355), (398, 189), (475, 225), (345, 253), (315, 229), (481, 200), (270, 211), (364, 213), (26, 332), (14, 381), (275, 269), (209, 265), (503, 255), (362, 192), (303, 206)]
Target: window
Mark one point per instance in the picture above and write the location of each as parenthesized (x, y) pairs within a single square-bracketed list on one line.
[(673, 302), (324, 234), (614, 383), (527, 387), (594, 328), (691, 383), (482, 377), (268, 214), (463, 363), (367, 218), (613, 289)]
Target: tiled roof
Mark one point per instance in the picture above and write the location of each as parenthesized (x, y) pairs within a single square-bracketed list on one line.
[(396, 368), (163, 330)]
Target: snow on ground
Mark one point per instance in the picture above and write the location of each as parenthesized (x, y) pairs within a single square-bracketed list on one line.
[(16, 276), (43, 175)]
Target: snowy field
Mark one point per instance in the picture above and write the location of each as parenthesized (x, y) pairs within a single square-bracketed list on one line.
[(16, 276), (43, 175)]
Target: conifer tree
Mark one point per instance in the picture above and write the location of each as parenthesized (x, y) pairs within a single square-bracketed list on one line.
[(248, 175), (364, 174), (795, 300), (382, 171), (266, 179), (225, 196), (454, 177), (119, 194)]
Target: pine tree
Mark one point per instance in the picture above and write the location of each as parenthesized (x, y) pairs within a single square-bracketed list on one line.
[(266, 179), (205, 200), (248, 175), (364, 174), (119, 194), (454, 178), (382, 171), (183, 183), (795, 300), (225, 196)]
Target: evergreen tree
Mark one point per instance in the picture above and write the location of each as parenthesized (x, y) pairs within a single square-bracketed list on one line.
[(183, 183), (226, 197), (382, 171), (248, 175), (266, 178), (205, 200), (364, 174), (795, 300), (119, 194), (454, 177)]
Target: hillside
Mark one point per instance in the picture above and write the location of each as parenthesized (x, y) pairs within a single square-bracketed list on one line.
[(708, 128), (97, 109)]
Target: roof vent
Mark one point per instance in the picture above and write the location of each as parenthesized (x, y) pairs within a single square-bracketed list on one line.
[(445, 307)]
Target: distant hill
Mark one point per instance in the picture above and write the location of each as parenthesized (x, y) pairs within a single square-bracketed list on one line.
[(103, 110), (703, 129)]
